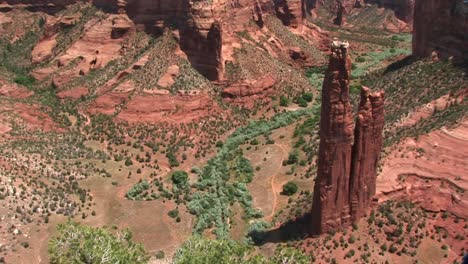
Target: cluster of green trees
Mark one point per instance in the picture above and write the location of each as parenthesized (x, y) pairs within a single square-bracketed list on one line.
[(217, 189), (137, 189), (198, 250), (78, 244)]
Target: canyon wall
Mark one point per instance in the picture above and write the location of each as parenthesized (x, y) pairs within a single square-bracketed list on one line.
[(440, 26), (346, 175), (289, 11), (340, 9), (46, 6), (404, 9), (200, 32), (151, 16), (343, 7), (202, 28)]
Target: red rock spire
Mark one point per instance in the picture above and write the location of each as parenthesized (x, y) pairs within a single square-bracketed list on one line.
[(330, 209), (366, 151), (346, 174)]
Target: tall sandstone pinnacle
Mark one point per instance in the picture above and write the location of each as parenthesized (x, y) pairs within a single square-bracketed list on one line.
[(346, 175), (330, 209), (366, 151)]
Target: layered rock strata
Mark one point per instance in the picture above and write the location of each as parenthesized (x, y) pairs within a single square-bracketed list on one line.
[(346, 175)]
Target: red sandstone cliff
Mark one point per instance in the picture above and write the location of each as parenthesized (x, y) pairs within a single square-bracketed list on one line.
[(201, 40), (441, 26), (366, 151), (341, 9), (404, 9), (289, 11), (330, 209), (46, 6), (346, 175), (200, 32)]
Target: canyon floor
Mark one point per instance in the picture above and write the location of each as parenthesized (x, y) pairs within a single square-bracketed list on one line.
[(98, 137)]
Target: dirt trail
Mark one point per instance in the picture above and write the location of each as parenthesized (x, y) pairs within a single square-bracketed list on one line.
[(275, 188)]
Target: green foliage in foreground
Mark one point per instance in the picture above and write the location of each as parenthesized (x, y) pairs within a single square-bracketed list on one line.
[(198, 250), (218, 190), (77, 243)]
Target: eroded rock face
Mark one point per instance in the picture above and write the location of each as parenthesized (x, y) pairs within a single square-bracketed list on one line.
[(441, 26), (330, 209), (247, 93), (366, 151), (403, 8), (151, 16), (47, 6), (289, 11), (346, 175), (343, 7), (200, 32), (201, 40)]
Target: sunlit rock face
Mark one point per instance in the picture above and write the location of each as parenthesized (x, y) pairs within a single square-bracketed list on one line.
[(366, 151), (347, 171), (330, 209)]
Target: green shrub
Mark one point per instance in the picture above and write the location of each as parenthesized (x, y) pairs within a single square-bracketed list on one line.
[(24, 80), (180, 179), (173, 213), (293, 157), (350, 253), (289, 188), (137, 189), (254, 142), (284, 101), (360, 59), (171, 157), (301, 102), (308, 97), (160, 254), (354, 89)]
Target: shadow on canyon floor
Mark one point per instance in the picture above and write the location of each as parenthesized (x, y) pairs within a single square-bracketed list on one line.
[(296, 229)]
